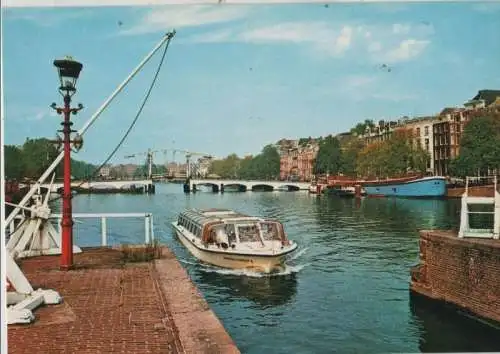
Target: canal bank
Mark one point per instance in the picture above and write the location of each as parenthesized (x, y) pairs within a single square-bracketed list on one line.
[(353, 263), (459, 273), (127, 299)]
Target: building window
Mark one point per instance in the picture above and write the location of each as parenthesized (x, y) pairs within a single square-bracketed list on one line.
[(418, 131), (426, 130)]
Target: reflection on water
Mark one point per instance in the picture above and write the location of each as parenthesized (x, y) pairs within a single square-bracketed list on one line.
[(444, 330), (265, 291), (349, 288)]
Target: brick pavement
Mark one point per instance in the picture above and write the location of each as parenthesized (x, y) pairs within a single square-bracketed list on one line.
[(110, 306)]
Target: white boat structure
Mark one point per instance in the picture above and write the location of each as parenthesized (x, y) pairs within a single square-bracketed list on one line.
[(228, 239)]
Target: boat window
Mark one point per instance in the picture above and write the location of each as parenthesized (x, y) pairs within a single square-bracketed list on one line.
[(270, 231), (231, 233), (248, 233)]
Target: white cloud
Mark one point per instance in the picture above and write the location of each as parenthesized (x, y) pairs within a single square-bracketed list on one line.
[(324, 38), (406, 50), (358, 81), (343, 41), (489, 7), (44, 18), (374, 47), (296, 32), (162, 19), (212, 37), (399, 28), (321, 36)]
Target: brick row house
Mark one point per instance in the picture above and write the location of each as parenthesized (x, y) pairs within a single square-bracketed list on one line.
[(296, 161), (450, 125), (439, 135)]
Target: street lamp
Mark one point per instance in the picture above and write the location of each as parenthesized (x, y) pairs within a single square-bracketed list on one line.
[(68, 70)]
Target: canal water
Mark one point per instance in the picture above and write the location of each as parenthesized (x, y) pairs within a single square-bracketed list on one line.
[(345, 290)]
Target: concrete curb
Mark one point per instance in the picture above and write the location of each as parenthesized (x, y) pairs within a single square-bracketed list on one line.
[(199, 329)]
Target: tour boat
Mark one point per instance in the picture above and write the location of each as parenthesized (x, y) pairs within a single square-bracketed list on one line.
[(229, 239), (434, 186)]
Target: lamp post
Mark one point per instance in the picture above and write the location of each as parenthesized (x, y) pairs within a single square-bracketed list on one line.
[(68, 70)]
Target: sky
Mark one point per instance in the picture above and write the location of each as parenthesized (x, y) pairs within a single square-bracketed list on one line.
[(237, 77)]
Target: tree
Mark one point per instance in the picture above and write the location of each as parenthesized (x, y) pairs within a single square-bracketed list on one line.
[(351, 147), (268, 162), (392, 157), (329, 157), (265, 165), (360, 128), (37, 154), (479, 147), (14, 164)]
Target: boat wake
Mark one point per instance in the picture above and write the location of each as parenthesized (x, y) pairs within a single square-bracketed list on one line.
[(298, 254), (289, 268)]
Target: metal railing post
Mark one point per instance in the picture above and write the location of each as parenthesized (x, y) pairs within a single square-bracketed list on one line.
[(104, 237), (146, 227), (152, 228)]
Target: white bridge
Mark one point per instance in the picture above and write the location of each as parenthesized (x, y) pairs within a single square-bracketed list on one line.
[(242, 185), (122, 184)]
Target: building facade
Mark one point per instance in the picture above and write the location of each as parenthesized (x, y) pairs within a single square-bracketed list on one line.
[(451, 123), (297, 161), (379, 132), (422, 135), (447, 132)]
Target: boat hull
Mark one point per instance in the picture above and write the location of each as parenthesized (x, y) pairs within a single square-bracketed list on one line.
[(264, 264), (423, 187)]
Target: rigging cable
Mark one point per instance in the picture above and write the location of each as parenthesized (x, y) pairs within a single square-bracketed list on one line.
[(110, 156)]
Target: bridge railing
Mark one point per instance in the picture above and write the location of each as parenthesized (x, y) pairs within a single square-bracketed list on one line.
[(149, 235)]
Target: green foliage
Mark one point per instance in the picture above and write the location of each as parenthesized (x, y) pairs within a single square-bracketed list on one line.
[(304, 141), (351, 148), (14, 164), (35, 156), (391, 158), (479, 147), (265, 165), (329, 158), (360, 128)]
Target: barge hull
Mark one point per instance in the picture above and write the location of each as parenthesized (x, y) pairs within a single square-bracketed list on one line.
[(424, 187)]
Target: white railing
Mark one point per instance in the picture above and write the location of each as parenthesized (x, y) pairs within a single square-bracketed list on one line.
[(149, 235), (494, 201)]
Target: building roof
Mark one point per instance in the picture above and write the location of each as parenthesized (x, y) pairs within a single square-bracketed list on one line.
[(489, 96), (448, 110)]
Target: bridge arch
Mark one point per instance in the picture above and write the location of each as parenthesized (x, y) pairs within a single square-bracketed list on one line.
[(235, 187), (262, 187), (126, 186), (215, 186), (289, 187)]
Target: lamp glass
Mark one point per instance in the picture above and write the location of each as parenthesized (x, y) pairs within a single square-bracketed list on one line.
[(69, 71), (78, 142)]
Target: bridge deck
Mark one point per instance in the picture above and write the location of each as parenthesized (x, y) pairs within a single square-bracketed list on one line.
[(249, 184)]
